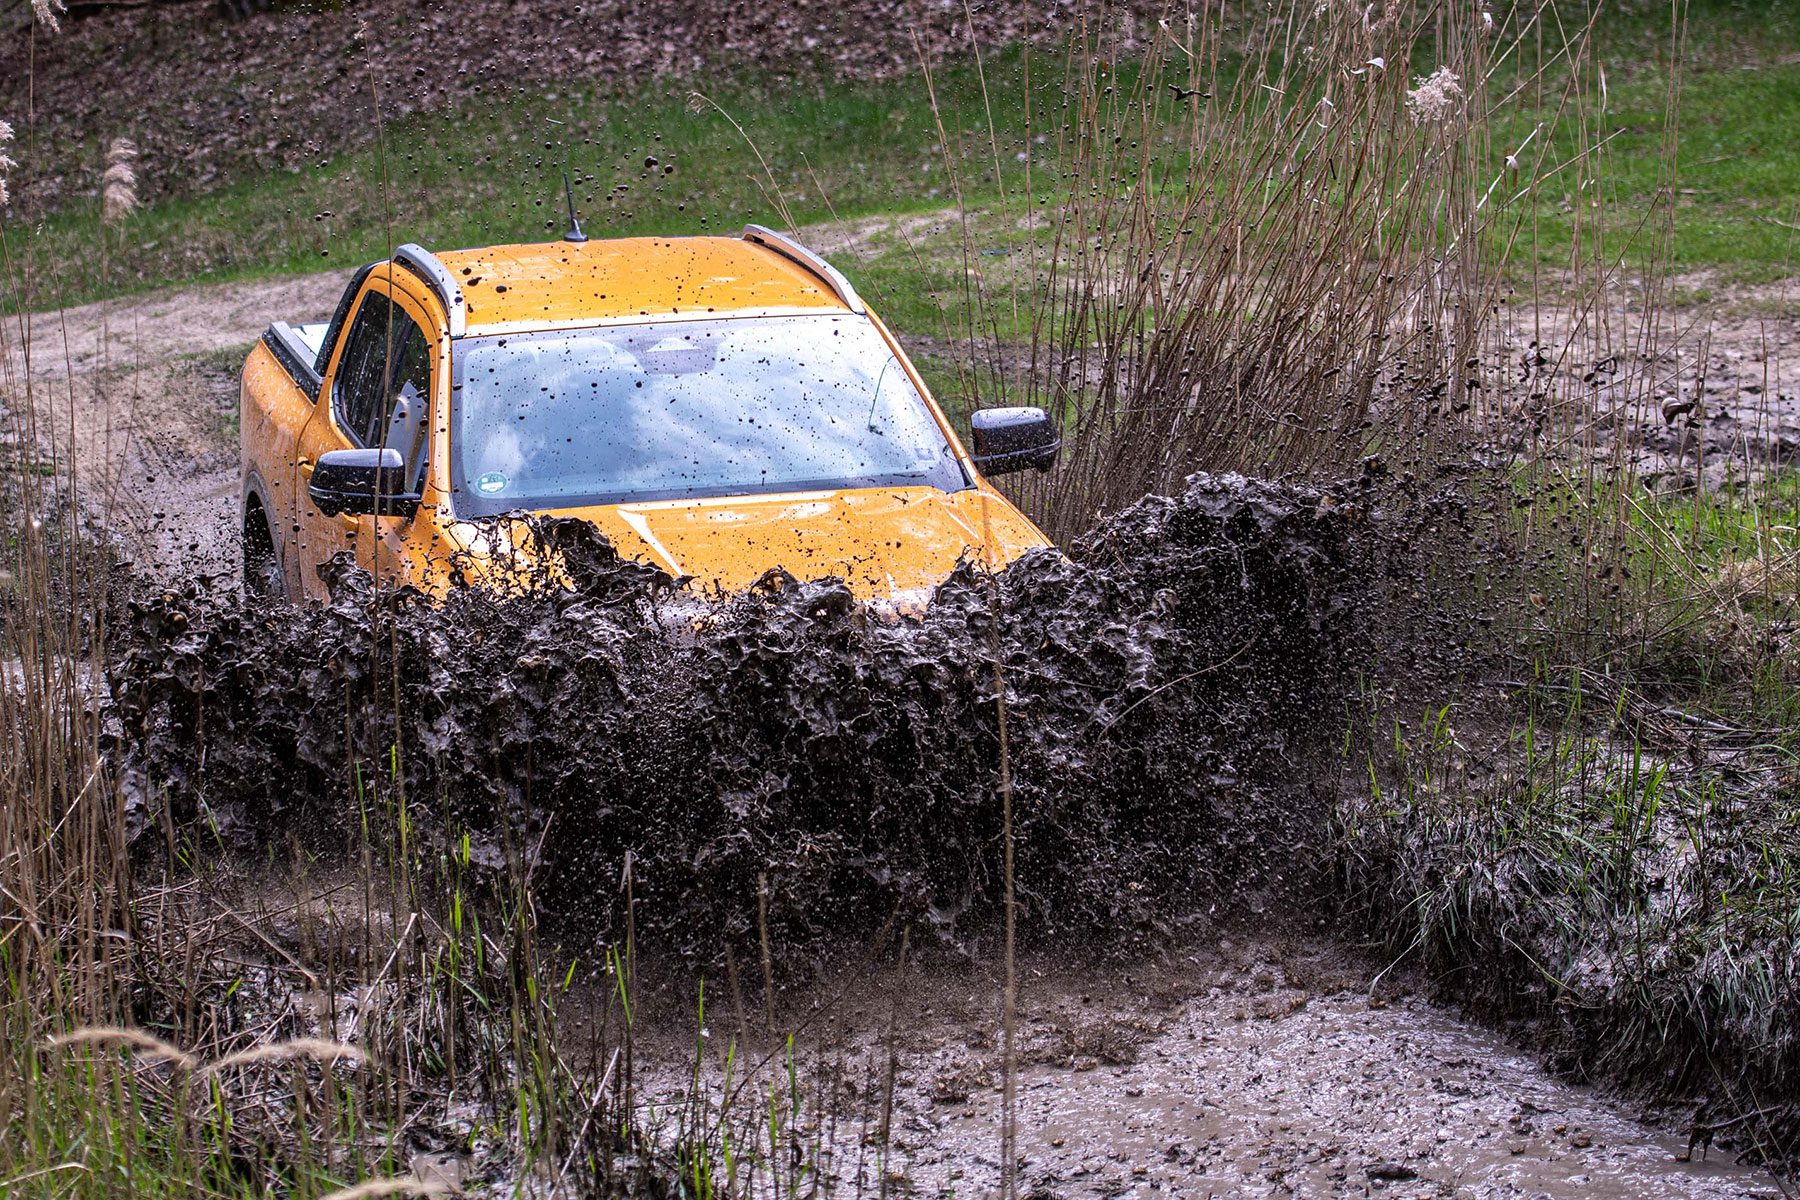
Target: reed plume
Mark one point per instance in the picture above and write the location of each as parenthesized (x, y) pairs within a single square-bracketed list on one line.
[(141, 1043), (118, 186), (1434, 100), (6, 162), (46, 11)]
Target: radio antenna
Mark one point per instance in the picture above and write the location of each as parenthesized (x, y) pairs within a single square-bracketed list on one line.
[(574, 234)]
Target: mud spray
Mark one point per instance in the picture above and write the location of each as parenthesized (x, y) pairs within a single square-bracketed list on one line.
[(789, 770), (1172, 683)]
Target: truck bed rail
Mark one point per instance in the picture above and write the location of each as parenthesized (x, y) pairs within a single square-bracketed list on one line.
[(295, 357)]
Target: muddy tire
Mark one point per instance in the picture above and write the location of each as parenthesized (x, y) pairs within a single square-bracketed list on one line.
[(263, 576), (240, 10)]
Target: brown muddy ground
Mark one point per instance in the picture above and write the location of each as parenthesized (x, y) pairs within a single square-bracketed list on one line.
[(1251, 1066), (1263, 1062), (1246, 1066)]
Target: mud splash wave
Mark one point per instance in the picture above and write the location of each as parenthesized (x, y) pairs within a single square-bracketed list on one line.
[(1168, 685)]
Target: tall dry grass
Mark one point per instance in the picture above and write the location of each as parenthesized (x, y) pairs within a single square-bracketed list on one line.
[(1291, 245), (1250, 245), (1311, 244)]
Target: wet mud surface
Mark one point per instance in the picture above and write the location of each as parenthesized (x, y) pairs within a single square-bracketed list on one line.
[(1714, 405), (1240, 1066)]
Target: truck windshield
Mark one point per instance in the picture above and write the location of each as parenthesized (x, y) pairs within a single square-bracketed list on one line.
[(687, 409)]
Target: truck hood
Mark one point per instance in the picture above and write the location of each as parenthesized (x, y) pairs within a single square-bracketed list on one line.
[(896, 544)]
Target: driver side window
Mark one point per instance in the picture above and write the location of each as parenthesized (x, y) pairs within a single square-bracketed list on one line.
[(383, 387), (358, 391)]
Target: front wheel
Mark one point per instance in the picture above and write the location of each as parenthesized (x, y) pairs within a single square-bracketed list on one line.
[(263, 577)]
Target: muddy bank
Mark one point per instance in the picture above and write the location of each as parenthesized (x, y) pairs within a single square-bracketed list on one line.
[(1695, 389), (1626, 894), (1169, 687)]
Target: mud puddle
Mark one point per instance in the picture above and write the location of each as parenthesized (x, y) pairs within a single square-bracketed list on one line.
[(1237, 1068)]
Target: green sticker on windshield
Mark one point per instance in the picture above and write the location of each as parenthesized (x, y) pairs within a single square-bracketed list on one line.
[(490, 483)]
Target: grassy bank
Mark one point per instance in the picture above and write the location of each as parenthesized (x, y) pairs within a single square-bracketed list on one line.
[(663, 162), (1598, 839), (659, 160)]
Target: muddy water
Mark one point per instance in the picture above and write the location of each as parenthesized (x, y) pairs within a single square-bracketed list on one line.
[(1246, 1068)]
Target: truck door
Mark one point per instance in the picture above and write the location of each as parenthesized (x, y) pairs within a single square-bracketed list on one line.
[(378, 389)]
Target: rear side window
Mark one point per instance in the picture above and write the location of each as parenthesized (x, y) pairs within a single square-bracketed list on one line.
[(412, 359)]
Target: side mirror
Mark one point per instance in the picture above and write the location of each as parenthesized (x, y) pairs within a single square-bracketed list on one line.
[(1013, 439), (362, 482)]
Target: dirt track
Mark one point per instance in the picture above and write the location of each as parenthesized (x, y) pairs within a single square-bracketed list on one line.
[(1259, 1066), (141, 396)]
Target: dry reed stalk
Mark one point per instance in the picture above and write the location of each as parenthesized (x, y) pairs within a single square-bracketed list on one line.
[(1264, 251), (405, 1186)]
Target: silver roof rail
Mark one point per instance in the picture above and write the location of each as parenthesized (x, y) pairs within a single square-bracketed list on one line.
[(426, 266), (794, 252)]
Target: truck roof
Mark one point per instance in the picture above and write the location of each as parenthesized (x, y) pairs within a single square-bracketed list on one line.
[(557, 283)]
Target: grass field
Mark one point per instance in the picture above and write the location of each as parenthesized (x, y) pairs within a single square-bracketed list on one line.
[(664, 161), (1737, 199)]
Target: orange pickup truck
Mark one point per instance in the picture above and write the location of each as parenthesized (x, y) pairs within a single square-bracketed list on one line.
[(717, 406)]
